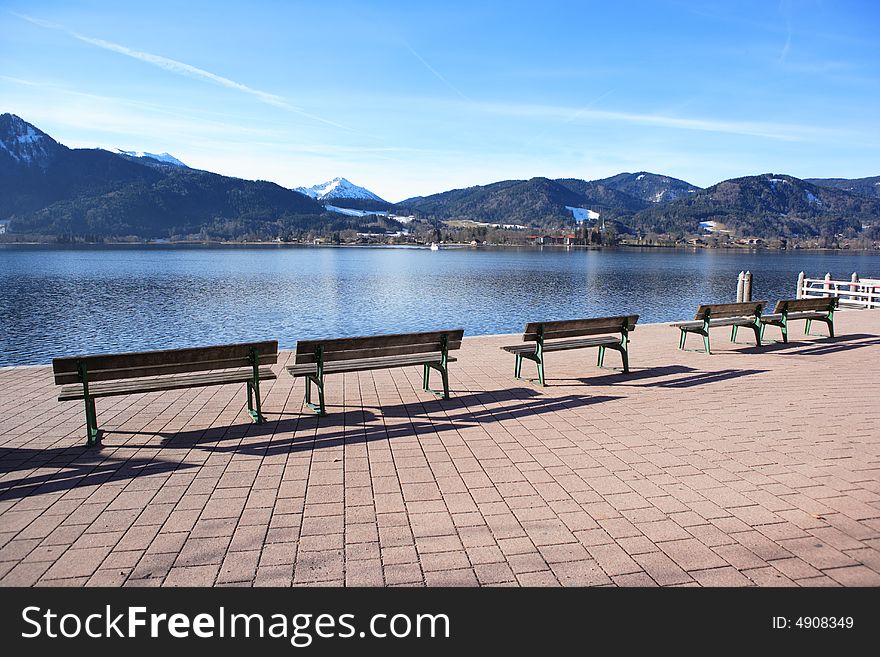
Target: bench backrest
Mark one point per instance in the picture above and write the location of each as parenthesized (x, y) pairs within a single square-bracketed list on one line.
[(569, 328), (110, 367), (375, 346), (724, 310), (797, 305)]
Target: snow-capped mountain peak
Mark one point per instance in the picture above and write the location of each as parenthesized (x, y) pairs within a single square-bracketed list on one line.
[(165, 158), (338, 188), (25, 143)]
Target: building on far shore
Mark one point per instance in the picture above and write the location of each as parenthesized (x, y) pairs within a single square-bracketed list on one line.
[(565, 240)]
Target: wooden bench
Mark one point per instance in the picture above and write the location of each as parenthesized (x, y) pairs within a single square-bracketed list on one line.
[(314, 359), (90, 377), (735, 315), (541, 337), (820, 309)]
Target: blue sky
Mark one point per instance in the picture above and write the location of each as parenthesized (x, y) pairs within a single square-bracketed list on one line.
[(412, 98)]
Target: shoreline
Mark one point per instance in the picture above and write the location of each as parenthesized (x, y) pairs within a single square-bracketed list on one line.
[(516, 336), (457, 246)]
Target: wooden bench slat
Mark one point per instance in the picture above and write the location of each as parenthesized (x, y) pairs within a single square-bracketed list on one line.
[(723, 310), (564, 344), (573, 327), (364, 364), (714, 323), (576, 344), (131, 386), (570, 333), (160, 370), (431, 339), (108, 367), (777, 317), (373, 352), (797, 305)]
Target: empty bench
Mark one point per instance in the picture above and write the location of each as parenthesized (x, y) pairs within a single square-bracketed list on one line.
[(90, 377), (820, 309), (603, 332), (746, 314), (315, 359)]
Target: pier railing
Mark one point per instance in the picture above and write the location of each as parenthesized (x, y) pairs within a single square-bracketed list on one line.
[(855, 293)]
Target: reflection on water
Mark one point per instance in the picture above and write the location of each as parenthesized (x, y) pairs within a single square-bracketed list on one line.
[(57, 302)]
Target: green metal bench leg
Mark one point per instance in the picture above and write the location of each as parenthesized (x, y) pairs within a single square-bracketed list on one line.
[(757, 329), (706, 342), (807, 329), (517, 368), (256, 412), (444, 375), (319, 407), (259, 419), (541, 372), (733, 333), (91, 422), (829, 324), (682, 339), (624, 355), (253, 389), (426, 373)]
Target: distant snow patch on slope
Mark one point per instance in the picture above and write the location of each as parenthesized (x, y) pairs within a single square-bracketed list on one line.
[(582, 214), (353, 213), (167, 158)]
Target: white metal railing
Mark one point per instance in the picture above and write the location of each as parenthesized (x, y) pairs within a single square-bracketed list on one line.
[(859, 293)]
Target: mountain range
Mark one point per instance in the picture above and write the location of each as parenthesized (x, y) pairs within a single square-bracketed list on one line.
[(48, 190), (766, 205), (864, 186)]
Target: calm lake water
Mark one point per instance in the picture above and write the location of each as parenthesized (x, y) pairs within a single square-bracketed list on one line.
[(56, 302)]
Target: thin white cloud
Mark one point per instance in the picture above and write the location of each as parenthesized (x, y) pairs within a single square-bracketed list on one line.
[(778, 131), (785, 10), (434, 71), (180, 68), (786, 48)]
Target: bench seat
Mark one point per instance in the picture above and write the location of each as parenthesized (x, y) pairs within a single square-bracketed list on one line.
[(773, 318), (713, 315), (156, 384), (315, 359), (88, 377), (363, 364), (809, 309), (562, 345), (560, 335)]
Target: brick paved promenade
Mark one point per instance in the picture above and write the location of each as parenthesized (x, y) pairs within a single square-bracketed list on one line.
[(736, 469)]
